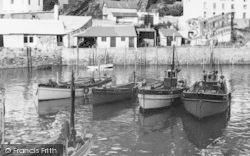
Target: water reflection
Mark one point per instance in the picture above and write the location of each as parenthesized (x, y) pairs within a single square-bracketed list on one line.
[(202, 133), (119, 128), (158, 120)]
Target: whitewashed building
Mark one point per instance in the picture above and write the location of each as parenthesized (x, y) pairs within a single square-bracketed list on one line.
[(74, 25), (166, 37), (20, 33), (110, 36), (16, 6), (209, 8)]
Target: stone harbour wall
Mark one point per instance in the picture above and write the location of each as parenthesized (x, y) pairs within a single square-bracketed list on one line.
[(150, 56), (18, 58)]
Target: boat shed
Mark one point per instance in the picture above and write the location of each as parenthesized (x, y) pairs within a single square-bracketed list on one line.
[(166, 37), (19, 33), (108, 37)]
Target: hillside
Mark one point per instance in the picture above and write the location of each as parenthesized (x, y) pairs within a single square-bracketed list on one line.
[(93, 7)]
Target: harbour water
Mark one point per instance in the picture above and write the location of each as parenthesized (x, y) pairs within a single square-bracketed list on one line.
[(119, 128)]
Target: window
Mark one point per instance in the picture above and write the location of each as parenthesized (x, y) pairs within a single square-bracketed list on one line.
[(205, 5), (29, 2), (244, 6), (11, 1), (214, 6), (213, 13), (205, 14), (59, 38), (31, 39), (232, 6), (25, 39), (223, 6), (244, 15), (122, 38), (103, 39), (39, 2)]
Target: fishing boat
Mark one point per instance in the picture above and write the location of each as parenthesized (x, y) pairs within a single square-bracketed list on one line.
[(53, 90), (161, 94), (210, 96), (102, 66), (111, 94), (73, 145)]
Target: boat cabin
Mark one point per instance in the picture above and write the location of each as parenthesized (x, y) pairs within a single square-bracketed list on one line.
[(170, 79)]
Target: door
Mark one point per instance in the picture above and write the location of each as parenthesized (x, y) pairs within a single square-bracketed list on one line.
[(169, 40), (131, 42), (112, 42)]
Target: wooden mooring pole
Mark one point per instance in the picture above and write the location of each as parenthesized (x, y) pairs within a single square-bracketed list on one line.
[(72, 109), (29, 58)]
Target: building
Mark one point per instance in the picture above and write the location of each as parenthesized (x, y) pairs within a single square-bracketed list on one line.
[(166, 37), (108, 37), (209, 8), (146, 37), (16, 6), (74, 25), (20, 33), (120, 11)]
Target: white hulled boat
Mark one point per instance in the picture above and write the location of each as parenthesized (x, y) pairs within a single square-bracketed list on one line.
[(161, 95), (53, 90)]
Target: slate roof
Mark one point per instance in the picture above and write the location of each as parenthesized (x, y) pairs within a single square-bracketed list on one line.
[(72, 23), (170, 32), (124, 14), (109, 31), (27, 26), (121, 4)]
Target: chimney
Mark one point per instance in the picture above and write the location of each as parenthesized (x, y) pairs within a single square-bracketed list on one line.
[(56, 12)]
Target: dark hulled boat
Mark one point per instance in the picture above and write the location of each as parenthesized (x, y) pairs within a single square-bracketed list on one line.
[(113, 93)]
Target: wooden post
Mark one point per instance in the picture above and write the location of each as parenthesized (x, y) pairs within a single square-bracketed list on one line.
[(77, 57), (134, 77), (135, 60), (124, 57), (145, 60), (72, 109), (105, 57), (93, 58), (157, 56)]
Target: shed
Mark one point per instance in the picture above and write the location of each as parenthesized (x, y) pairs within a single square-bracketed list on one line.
[(166, 37), (109, 36)]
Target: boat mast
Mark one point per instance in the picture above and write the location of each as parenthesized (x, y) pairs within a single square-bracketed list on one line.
[(72, 109)]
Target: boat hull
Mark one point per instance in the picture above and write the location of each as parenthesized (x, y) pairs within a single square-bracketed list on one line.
[(51, 93), (202, 108), (113, 94), (154, 101)]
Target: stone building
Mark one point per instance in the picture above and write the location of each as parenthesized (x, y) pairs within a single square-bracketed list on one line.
[(166, 37), (108, 37), (16, 6), (19, 33)]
